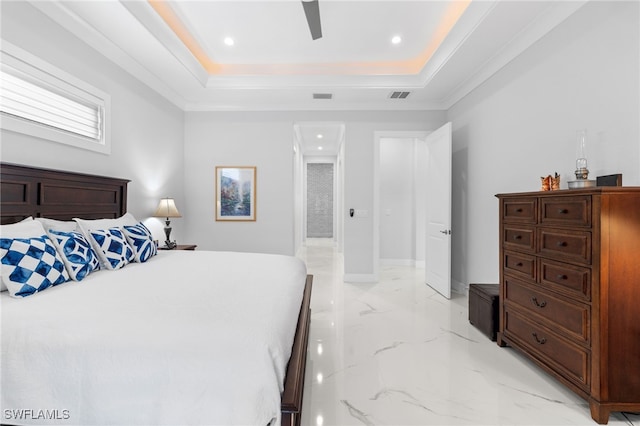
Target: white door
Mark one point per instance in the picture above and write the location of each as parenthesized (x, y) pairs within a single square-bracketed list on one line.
[(438, 188)]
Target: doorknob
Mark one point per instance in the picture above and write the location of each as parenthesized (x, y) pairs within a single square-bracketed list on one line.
[(446, 232)]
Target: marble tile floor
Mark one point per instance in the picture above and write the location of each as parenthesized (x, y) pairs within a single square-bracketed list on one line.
[(398, 353)]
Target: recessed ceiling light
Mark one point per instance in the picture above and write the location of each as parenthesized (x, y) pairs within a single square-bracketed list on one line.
[(319, 136), (319, 148), (396, 39), (229, 41)]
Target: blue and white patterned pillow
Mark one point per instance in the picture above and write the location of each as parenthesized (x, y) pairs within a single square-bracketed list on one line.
[(76, 252), (114, 251), (30, 265), (141, 240)]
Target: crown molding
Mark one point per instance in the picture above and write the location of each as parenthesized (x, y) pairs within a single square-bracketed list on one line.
[(79, 27), (547, 21)]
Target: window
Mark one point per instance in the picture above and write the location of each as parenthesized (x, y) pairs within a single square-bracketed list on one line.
[(43, 101)]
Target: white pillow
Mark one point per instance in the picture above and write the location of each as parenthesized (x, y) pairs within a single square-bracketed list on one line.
[(58, 225), (87, 225), (27, 228)]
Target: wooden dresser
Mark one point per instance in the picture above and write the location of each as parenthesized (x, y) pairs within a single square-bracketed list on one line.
[(570, 289)]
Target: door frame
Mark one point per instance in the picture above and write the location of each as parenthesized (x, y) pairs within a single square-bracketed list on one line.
[(377, 136)]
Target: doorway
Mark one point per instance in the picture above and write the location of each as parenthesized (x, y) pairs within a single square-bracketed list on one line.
[(431, 201), (318, 157), (401, 198)]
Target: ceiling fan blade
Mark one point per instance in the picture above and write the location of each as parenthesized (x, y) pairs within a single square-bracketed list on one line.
[(312, 12)]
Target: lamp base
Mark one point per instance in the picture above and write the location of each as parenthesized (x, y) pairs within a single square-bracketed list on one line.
[(168, 244), (581, 183)]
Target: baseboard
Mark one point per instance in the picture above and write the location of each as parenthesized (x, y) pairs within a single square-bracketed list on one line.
[(397, 262), (421, 264), (458, 287), (360, 278)]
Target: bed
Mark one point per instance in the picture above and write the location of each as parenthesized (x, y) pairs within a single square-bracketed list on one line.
[(150, 343)]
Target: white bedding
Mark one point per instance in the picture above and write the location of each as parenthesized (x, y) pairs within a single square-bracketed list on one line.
[(190, 337)]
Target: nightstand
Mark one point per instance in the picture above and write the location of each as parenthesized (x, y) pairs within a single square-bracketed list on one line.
[(181, 247)]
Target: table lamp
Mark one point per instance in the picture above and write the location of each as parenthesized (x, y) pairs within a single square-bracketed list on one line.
[(167, 209)]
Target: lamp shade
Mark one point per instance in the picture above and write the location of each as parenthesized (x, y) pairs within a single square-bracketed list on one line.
[(167, 208)]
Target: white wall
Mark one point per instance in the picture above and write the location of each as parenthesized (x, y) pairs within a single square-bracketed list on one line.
[(521, 124), (265, 139), (146, 130), (236, 139)]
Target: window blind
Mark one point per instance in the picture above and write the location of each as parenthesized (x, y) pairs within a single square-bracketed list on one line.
[(36, 102)]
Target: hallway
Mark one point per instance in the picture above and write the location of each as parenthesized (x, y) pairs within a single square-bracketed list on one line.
[(397, 353)]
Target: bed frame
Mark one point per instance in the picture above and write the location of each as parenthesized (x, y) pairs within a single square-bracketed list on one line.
[(29, 191)]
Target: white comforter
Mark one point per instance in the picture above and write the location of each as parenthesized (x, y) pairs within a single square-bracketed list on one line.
[(186, 338)]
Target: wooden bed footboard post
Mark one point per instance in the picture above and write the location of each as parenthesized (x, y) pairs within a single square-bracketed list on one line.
[(291, 406)]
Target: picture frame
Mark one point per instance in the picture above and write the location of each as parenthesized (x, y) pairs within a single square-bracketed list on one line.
[(236, 193)]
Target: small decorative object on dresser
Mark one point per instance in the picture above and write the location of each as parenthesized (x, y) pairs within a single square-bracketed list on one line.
[(609, 180), (582, 172), (550, 183), (180, 247), (569, 290)]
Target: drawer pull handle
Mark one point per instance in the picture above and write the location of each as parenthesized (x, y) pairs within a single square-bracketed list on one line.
[(540, 305), (561, 244), (563, 211), (519, 265), (519, 210), (517, 237), (540, 341), (561, 277)]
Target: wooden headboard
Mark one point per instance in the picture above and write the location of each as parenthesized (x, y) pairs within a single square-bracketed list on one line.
[(30, 191)]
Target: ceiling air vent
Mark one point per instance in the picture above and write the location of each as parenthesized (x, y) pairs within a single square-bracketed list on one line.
[(398, 95), (322, 96)]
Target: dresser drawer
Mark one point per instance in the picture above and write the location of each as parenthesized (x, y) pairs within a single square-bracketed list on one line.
[(565, 244), (521, 210), (519, 237), (568, 318), (520, 264), (574, 211), (574, 281), (569, 360)]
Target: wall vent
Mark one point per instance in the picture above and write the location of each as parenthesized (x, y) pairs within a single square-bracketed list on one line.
[(323, 96), (398, 95)]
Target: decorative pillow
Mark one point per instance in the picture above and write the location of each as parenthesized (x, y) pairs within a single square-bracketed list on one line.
[(26, 228), (88, 225), (141, 240), (76, 253), (30, 265), (114, 251), (58, 225)]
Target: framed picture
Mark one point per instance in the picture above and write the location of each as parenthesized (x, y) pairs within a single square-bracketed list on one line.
[(235, 193)]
